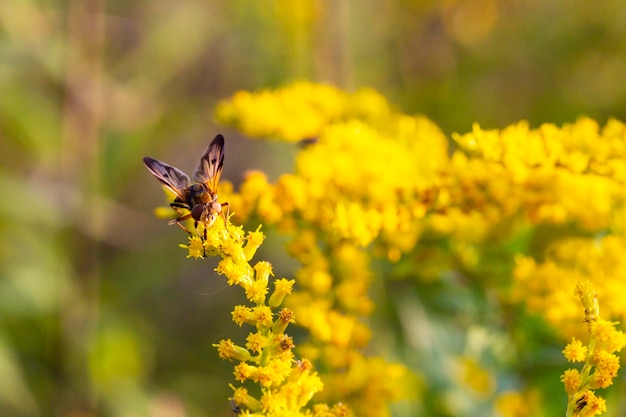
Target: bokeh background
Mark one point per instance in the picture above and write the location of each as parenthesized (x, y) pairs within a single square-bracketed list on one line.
[(100, 312)]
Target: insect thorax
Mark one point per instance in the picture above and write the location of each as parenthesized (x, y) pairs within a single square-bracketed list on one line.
[(199, 194)]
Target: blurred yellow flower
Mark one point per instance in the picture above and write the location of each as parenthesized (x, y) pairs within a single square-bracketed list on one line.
[(532, 210), (476, 377)]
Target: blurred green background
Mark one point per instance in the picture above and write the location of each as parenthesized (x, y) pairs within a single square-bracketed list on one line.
[(100, 312)]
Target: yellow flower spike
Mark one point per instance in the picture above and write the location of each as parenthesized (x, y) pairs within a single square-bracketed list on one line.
[(568, 176), (282, 287), (285, 317), (601, 365), (228, 350), (267, 358)]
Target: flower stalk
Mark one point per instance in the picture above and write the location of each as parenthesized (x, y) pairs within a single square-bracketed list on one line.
[(600, 362)]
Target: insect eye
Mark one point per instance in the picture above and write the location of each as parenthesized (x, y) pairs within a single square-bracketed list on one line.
[(197, 211)]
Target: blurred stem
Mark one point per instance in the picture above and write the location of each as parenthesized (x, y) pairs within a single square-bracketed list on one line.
[(81, 120), (332, 60)]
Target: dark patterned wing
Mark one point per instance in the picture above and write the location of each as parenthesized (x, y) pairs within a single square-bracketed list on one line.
[(173, 178), (209, 168)]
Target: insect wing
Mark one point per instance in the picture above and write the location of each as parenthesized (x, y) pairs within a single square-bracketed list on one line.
[(173, 178), (209, 167)]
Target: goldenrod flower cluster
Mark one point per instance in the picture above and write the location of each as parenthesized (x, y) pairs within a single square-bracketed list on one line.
[(299, 111), (343, 197), (371, 183), (286, 384), (574, 175), (600, 362), (543, 284)]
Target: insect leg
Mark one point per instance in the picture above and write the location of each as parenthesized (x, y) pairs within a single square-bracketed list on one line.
[(236, 408), (178, 220), (225, 214)]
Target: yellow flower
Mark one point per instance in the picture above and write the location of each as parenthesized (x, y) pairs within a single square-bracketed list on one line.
[(357, 224), (554, 174), (241, 397), (285, 385), (273, 403), (244, 371), (378, 184), (603, 330), (283, 343), (298, 111), (290, 193), (278, 368), (242, 314), (301, 393), (228, 350), (517, 404), (236, 273), (588, 405), (195, 247), (316, 280), (572, 381), (262, 316), (606, 365), (282, 288), (543, 286), (575, 351), (256, 291), (254, 240), (476, 377), (285, 317), (255, 342)]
